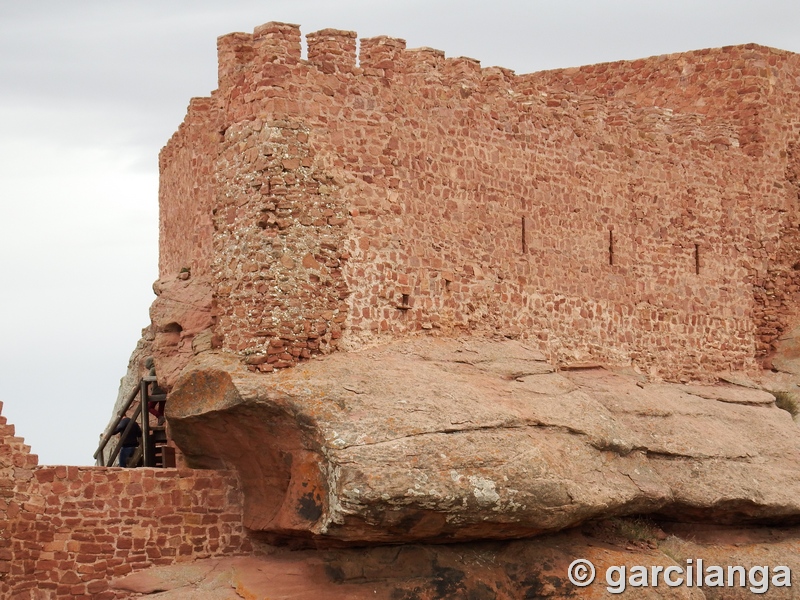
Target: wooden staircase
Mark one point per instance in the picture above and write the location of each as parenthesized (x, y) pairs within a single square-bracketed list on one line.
[(162, 454), (153, 449)]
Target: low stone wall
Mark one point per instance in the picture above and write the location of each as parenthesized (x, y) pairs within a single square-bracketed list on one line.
[(66, 531)]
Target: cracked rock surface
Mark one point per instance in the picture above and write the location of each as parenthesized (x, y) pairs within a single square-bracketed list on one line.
[(507, 570), (453, 440)]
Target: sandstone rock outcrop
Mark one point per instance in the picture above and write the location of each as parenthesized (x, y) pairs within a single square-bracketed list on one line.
[(483, 571), (448, 440), (181, 317)]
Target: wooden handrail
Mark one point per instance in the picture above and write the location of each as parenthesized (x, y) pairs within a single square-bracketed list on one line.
[(147, 452), (98, 455), (125, 433)]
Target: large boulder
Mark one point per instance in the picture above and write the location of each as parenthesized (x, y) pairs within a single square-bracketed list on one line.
[(438, 440)]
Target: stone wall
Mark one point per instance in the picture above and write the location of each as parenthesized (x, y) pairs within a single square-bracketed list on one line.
[(755, 93), (186, 192), (776, 284), (65, 532), (629, 213)]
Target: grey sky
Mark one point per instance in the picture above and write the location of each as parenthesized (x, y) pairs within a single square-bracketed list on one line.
[(90, 92)]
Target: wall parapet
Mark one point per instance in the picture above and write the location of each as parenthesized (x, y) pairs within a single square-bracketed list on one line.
[(332, 50)]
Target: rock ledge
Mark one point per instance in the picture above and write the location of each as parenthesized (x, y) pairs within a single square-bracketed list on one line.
[(434, 440)]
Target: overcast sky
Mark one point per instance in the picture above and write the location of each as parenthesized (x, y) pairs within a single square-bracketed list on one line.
[(90, 92)]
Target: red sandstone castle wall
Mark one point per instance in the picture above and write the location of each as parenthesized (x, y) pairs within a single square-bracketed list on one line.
[(754, 89), (776, 286), (417, 193), (187, 192), (728, 84), (65, 532)]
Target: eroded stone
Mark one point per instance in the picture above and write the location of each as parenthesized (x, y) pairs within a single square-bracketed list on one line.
[(409, 442)]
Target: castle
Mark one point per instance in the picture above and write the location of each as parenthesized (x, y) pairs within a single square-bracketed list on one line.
[(635, 213), (639, 214)]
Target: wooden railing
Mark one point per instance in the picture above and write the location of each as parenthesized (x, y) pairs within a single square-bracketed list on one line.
[(140, 413)]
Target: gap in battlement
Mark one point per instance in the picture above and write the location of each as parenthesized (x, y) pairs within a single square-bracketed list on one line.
[(303, 46)]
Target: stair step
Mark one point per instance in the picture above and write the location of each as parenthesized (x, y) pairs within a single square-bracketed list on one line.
[(168, 457)]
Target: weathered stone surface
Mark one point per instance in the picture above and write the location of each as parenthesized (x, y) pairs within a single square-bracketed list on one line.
[(787, 356), (730, 393), (181, 319), (457, 440), (484, 570)]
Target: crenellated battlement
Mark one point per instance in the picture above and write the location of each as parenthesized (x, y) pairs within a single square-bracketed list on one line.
[(379, 55), (632, 213), (266, 65), (332, 50), (277, 43), (14, 452)]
